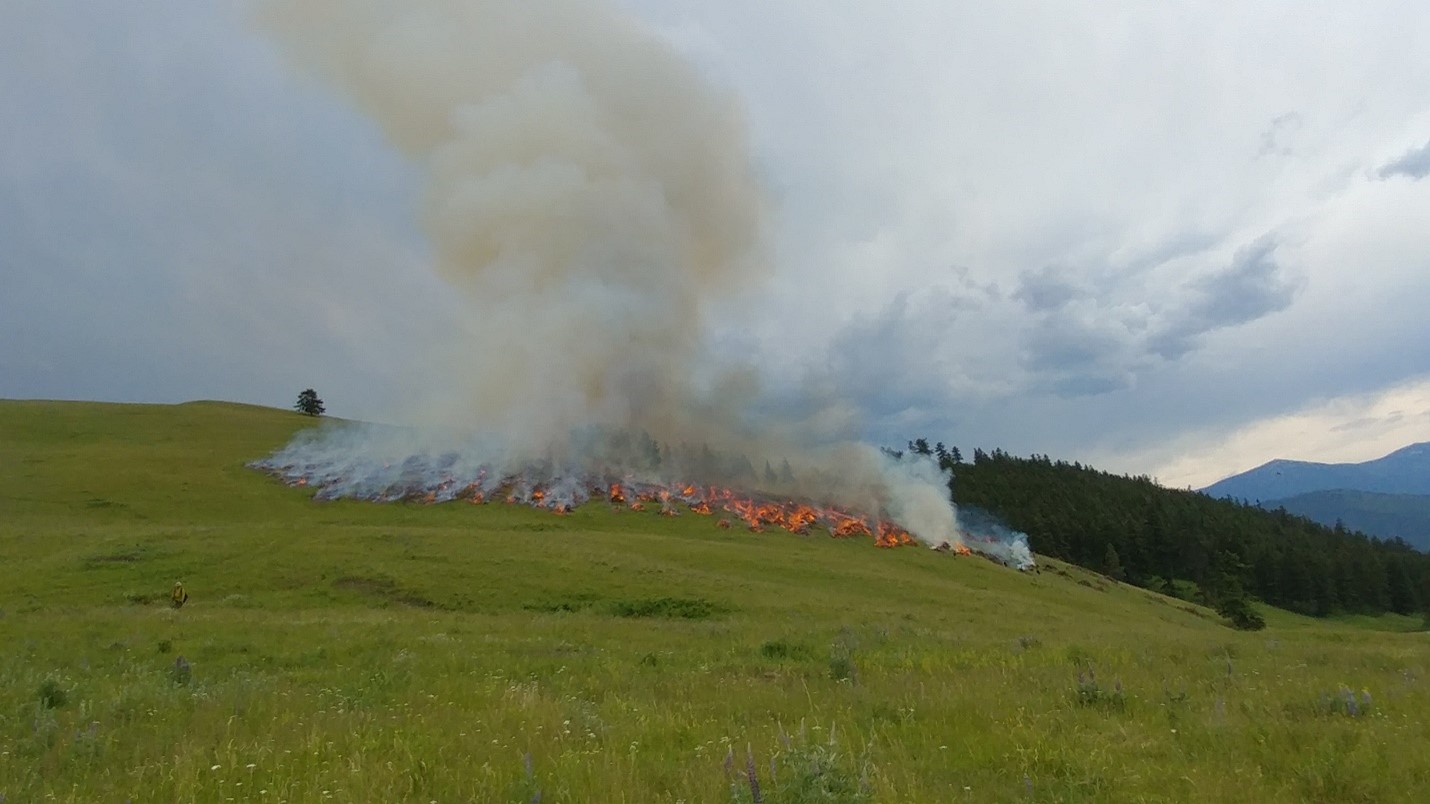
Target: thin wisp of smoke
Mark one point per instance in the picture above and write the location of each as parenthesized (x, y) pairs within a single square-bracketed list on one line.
[(591, 199)]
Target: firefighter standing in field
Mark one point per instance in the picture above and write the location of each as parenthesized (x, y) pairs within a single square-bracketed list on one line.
[(179, 596)]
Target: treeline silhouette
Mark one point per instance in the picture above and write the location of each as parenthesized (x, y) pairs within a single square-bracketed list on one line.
[(1164, 539)]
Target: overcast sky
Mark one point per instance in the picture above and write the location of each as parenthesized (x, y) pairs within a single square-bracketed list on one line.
[(1174, 238)]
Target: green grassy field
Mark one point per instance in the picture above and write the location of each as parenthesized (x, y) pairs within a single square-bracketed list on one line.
[(358, 652)]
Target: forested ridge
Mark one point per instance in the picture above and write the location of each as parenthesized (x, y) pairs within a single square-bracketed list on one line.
[(1132, 529)]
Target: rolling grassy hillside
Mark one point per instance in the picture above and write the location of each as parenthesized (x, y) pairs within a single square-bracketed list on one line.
[(353, 652)]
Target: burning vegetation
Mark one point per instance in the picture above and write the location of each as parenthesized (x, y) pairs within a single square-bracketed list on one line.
[(447, 479)]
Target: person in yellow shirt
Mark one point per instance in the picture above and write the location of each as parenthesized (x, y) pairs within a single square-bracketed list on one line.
[(179, 596)]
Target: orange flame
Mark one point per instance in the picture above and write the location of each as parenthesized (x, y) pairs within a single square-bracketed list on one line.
[(757, 515), (891, 535), (850, 526)]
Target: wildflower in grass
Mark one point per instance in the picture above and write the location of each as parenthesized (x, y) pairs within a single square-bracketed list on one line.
[(1346, 702), (1089, 692), (1352, 705), (753, 777), (181, 672), (804, 771)]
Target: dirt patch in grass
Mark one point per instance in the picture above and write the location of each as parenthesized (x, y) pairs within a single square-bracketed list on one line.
[(384, 589), (130, 555)]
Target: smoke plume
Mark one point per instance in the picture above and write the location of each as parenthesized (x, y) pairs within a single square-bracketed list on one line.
[(586, 191), (590, 197)]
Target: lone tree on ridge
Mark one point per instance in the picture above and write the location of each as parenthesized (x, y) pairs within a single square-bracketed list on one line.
[(309, 404)]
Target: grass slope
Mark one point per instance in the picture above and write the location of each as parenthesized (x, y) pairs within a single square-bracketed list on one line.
[(355, 652)]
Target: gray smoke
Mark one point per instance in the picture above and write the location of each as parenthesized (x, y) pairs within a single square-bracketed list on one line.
[(590, 196)]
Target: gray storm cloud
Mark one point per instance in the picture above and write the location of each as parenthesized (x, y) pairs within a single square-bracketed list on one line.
[(1414, 164), (590, 197)]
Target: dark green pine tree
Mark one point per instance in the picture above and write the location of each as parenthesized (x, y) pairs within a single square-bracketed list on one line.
[(309, 404), (1112, 564), (1168, 539), (1400, 588)]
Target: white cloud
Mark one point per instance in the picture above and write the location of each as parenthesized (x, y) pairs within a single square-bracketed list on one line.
[(1174, 203), (1347, 429)]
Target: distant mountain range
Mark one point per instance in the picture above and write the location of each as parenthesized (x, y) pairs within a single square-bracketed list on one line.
[(1405, 471), (1386, 497)]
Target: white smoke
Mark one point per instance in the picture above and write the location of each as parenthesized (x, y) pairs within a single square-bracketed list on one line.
[(591, 198)]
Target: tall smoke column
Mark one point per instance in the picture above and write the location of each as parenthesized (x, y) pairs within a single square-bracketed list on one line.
[(589, 195), (586, 190)]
